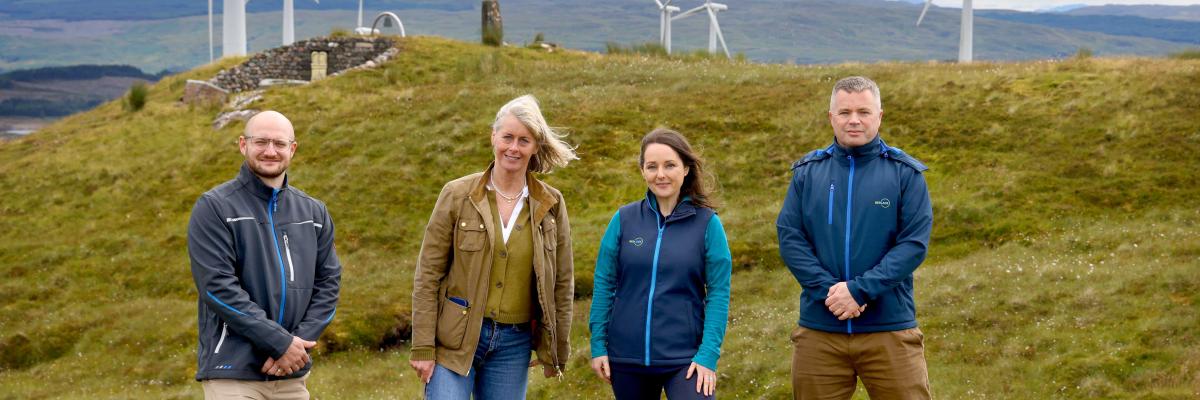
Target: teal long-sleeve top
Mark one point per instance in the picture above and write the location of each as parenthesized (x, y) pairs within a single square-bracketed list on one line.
[(717, 268)]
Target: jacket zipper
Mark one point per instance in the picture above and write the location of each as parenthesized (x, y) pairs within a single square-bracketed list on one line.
[(287, 249), (222, 340), (653, 280), (849, 206), (272, 207), (830, 204)]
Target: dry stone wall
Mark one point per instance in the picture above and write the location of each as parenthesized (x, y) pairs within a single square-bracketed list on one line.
[(295, 62)]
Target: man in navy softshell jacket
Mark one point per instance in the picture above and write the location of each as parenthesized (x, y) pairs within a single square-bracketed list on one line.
[(854, 226)]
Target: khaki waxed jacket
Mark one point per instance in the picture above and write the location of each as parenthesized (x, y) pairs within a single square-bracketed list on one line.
[(456, 261)]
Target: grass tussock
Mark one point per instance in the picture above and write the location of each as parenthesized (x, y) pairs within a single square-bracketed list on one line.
[(1191, 54), (1060, 267)]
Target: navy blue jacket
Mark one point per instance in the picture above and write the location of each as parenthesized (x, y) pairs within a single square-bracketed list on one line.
[(861, 216), (661, 293), (265, 270)]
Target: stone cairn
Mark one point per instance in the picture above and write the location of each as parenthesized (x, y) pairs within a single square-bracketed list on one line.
[(292, 64)]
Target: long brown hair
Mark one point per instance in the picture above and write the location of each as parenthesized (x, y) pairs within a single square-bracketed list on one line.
[(694, 184)]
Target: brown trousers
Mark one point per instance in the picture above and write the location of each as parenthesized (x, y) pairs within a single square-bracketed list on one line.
[(229, 389), (827, 366)]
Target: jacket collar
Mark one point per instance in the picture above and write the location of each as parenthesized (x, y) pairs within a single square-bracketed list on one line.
[(540, 198), (684, 209), (252, 182), (876, 147)]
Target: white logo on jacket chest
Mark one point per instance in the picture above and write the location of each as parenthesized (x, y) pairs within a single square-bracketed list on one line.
[(637, 241), (885, 203)]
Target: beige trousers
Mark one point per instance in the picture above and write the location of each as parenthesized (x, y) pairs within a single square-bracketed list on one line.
[(827, 366), (230, 389)]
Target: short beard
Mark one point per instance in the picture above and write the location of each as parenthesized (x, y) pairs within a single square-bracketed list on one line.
[(268, 175)]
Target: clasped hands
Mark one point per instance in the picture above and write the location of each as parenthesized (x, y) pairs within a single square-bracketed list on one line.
[(841, 303), (293, 360)]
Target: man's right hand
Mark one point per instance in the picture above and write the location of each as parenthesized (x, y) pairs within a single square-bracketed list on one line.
[(842, 304), (424, 369), (293, 360)]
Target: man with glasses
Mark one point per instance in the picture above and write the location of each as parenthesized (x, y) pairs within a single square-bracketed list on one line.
[(266, 272), (854, 226)]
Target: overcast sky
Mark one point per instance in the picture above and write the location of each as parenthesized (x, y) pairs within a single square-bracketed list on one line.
[(1030, 5)]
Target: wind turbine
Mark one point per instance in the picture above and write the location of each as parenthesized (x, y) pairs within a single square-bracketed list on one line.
[(233, 28), (965, 36), (210, 32), (714, 29), (664, 23), (289, 20)]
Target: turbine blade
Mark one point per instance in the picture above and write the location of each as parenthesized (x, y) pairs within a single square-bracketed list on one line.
[(712, 16), (923, 10)]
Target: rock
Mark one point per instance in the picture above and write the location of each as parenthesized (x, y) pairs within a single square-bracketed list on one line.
[(203, 93), (244, 99), (227, 117), (281, 82)]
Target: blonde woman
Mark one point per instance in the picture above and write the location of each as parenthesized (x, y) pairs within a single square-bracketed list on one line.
[(495, 278)]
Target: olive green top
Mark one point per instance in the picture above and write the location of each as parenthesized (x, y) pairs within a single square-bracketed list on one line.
[(510, 296)]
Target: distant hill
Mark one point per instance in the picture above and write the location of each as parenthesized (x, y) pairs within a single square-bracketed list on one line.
[(1063, 8), (59, 91), (803, 31), (1182, 31), (1184, 13), (1063, 263), (128, 10)]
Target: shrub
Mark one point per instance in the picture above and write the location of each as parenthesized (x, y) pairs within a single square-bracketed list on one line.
[(137, 96)]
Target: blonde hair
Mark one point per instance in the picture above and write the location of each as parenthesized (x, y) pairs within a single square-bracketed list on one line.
[(553, 152)]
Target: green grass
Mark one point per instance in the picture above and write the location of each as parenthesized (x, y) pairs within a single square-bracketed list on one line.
[(1064, 260), (1189, 54)]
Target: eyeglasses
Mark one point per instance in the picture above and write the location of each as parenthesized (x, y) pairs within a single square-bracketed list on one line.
[(262, 143)]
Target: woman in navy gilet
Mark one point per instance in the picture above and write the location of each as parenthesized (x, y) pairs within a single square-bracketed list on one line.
[(661, 298)]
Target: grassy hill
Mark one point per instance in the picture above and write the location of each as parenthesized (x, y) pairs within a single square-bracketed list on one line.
[(807, 31), (1064, 262)]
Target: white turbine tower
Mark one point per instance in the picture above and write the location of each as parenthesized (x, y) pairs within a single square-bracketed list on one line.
[(966, 36), (210, 32), (665, 10), (233, 28), (714, 29), (289, 21)]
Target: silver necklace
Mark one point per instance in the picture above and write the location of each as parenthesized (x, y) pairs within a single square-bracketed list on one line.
[(506, 197)]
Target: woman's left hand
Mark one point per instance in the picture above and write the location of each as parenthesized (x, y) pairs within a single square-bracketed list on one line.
[(706, 379), (547, 370)]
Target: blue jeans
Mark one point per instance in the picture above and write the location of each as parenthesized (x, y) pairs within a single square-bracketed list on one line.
[(499, 371)]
